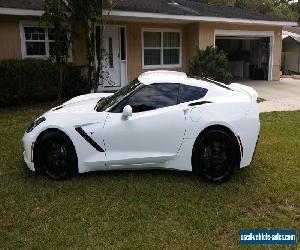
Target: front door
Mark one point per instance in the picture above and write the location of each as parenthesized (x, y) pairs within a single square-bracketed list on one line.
[(114, 73), (152, 135), (111, 45), (146, 139)]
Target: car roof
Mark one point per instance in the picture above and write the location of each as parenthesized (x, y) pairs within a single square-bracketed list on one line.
[(166, 76), (162, 76), (215, 89)]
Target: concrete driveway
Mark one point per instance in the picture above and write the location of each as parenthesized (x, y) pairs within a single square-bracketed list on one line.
[(280, 95)]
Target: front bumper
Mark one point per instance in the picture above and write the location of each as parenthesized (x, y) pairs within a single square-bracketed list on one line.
[(29, 164), (28, 142)]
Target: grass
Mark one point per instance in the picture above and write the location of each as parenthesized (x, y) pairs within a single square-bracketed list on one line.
[(148, 209)]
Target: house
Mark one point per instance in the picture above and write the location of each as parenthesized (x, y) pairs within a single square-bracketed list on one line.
[(291, 50), (158, 34)]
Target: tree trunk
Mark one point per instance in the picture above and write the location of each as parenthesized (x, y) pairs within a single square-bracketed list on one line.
[(61, 82)]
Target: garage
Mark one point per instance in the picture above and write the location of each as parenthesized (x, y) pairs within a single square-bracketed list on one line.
[(249, 53)]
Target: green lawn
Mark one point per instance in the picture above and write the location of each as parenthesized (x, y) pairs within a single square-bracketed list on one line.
[(148, 209)]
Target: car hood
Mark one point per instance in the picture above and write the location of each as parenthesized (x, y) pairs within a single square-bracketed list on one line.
[(78, 111), (80, 104)]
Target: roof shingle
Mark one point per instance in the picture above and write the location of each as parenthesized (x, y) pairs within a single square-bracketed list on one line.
[(295, 30), (191, 8), (178, 7), (23, 4)]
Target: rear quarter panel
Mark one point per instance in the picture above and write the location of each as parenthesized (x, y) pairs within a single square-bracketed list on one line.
[(241, 118)]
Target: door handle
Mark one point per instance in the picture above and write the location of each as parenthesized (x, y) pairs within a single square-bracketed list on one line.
[(186, 110)]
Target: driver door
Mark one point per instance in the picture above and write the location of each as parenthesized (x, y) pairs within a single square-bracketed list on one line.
[(154, 132)]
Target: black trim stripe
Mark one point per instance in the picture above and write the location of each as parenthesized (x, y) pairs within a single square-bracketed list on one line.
[(199, 103), (89, 139)]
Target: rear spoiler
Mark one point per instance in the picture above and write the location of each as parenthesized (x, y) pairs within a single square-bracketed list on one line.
[(246, 90)]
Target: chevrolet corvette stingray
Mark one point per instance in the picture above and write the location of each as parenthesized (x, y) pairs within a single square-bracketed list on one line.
[(162, 119)]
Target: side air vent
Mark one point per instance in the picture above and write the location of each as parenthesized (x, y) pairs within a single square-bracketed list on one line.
[(89, 139)]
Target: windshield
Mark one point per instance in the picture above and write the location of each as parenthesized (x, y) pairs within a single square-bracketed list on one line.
[(108, 102)]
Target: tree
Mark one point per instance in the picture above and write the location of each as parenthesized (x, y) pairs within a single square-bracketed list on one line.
[(286, 9), (296, 7), (211, 63), (58, 22), (63, 17), (88, 13), (279, 8)]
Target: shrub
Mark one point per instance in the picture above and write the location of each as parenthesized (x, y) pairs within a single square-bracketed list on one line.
[(211, 63), (31, 81)]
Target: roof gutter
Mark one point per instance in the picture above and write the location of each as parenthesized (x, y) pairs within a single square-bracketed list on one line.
[(117, 13), (20, 12), (150, 15)]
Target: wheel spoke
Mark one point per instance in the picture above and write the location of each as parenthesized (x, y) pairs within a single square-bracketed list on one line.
[(215, 158), (54, 158)]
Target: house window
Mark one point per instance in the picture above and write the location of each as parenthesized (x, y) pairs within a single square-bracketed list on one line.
[(161, 49), (35, 41), (38, 42)]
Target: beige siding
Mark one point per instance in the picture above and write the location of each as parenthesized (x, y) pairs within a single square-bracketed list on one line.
[(206, 35), (277, 54), (10, 40), (134, 45), (79, 48), (193, 35), (192, 41)]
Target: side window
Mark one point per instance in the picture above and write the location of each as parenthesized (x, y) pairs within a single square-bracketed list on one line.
[(154, 96), (190, 93)]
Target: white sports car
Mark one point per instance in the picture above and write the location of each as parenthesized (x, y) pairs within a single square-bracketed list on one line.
[(162, 119)]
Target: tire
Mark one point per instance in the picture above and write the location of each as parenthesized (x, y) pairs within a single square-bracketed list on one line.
[(215, 155), (55, 156)]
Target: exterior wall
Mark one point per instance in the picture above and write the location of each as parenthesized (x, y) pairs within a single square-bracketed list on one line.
[(190, 35), (79, 48), (277, 55), (207, 38), (291, 55), (10, 40), (192, 43), (193, 35), (134, 46)]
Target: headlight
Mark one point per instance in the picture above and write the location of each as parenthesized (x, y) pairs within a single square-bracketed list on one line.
[(35, 123)]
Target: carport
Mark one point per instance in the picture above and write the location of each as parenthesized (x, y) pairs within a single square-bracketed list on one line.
[(250, 53)]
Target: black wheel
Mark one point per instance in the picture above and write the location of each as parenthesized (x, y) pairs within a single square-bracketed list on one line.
[(55, 156), (215, 155)]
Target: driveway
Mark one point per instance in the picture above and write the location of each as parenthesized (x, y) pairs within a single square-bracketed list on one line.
[(280, 95)]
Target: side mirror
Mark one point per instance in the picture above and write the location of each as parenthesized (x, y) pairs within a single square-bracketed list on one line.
[(127, 112)]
